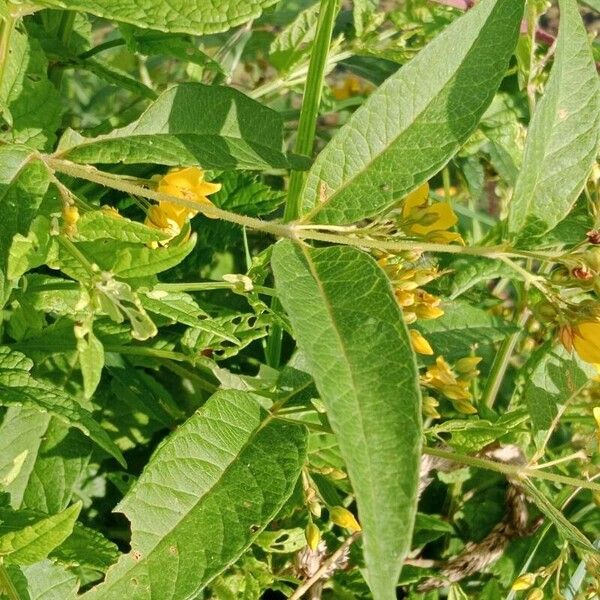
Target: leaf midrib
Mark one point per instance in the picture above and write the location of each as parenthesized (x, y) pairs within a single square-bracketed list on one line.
[(319, 206), (107, 586)]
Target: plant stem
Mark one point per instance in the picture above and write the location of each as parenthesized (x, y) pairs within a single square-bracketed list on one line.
[(72, 249), (302, 589), (7, 27), (517, 471), (307, 125), (501, 362), (101, 48), (6, 584), (285, 230)]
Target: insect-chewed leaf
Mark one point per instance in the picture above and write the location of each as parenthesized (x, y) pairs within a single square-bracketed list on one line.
[(563, 136), (201, 16), (416, 121), (350, 328), (194, 124), (207, 492)]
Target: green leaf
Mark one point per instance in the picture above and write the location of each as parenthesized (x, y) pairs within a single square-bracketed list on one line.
[(154, 43), (22, 187), (91, 361), (99, 224), (43, 581), (554, 377), (202, 16), (28, 101), (128, 260), (25, 539), (563, 135), (244, 194), (51, 458), (207, 492), (350, 328), (416, 121), (295, 41), (87, 549), (18, 387), (190, 124), (461, 328), (469, 271)]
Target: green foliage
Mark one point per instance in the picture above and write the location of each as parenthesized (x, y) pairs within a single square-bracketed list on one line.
[(299, 299), (563, 137), (373, 406), (378, 157)]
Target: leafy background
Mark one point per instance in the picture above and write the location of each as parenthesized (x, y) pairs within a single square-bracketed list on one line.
[(179, 419)]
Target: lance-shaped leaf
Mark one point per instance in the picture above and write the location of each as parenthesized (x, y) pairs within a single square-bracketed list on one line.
[(198, 17), (350, 328), (563, 136), (19, 388), (26, 538), (191, 124), (207, 492), (415, 122)]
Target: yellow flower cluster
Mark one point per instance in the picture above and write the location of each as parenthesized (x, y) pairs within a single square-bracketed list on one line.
[(188, 184), (454, 384), (429, 221)]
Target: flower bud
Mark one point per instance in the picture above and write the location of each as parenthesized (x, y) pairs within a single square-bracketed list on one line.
[(313, 535), (467, 364), (344, 518), (536, 594), (593, 236), (524, 582), (419, 343), (464, 406)]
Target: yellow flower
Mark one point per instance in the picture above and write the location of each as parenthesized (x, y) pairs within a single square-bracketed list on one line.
[(441, 377), (419, 343), (524, 582), (344, 518), (430, 221), (187, 184), (586, 341)]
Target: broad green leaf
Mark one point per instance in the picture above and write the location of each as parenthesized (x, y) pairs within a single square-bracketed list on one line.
[(26, 539), (22, 187), (563, 135), (190, 124), (295, 41), (127, 260), (201, 16), (53, 458), (416, 121), (595, 4), (98, 224), (44, 580), (19, 388), (554, 377), (207, 492), (350, 329), (244, 194), (28, 101), (462, 328)]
